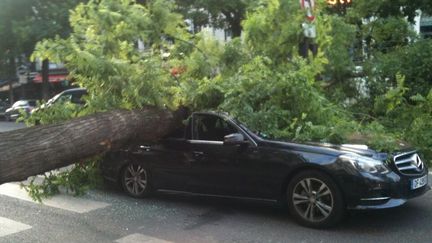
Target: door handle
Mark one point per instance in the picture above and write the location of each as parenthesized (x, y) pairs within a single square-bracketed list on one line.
[(145, 147), (198, 153)]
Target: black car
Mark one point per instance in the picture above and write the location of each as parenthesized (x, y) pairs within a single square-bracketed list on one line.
[(216, 155)]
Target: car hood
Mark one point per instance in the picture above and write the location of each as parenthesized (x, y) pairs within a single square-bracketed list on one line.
[(327, 148)]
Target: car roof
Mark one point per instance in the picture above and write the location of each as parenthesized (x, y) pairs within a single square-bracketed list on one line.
[(24, 101), (74, 90), (216, 113)]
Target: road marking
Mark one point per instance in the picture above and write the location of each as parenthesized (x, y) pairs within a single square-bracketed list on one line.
[(141, 238), (65, 202), (8, 227)]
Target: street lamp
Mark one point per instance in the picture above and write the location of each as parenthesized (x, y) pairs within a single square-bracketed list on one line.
[(339, 6), (336, 2)]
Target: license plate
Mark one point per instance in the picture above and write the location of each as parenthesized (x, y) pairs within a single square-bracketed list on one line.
[(419, 182)]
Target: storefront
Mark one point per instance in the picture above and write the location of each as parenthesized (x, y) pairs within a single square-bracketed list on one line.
[(426, 26), (31, 88)]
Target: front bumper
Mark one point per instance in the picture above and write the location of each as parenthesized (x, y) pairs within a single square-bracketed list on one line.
[(388, 202), (380, 191)]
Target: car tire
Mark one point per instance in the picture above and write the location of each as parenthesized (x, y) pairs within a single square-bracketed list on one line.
[(135, 180), (315, 200)]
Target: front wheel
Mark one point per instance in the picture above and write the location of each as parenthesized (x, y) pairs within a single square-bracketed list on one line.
[(315, 200), (135, 180)]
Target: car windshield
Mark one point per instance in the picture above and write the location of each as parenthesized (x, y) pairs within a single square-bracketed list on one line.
[(54, 99), (253, 133)]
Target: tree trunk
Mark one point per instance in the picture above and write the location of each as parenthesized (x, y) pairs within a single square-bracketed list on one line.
[(45, 79), (234, 19), (35, 150), (11, 93), (236, 27)]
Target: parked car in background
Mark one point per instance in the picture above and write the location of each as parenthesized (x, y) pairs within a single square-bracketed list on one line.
[(19, 107), (74, 96), (3, 107), (215, 155)]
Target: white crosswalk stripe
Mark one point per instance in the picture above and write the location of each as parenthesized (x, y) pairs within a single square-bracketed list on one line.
[(141, 238), (8, 227), (65, 202)]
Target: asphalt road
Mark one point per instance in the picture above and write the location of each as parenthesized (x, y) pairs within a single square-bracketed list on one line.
[(107, 215), (8, 126)]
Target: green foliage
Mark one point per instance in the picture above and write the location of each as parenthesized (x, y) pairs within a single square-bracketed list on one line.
[(393, 98), (101, 52), (413, 62), (273, 29), (386, 8), (340, 64), (407, 119), (54, 113), (379, 138), (82, 177)]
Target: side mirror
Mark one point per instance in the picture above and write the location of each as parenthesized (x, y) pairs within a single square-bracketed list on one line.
[(233, 139)]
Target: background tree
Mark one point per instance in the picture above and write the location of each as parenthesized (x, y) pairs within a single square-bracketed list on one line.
[(25, 22), (389, 8), (9, 48), (225, 14)]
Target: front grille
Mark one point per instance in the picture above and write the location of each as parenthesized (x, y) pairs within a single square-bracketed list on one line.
[(409, 163)]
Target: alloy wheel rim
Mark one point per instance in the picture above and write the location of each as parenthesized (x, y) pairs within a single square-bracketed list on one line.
[(312, 199), (135, 179)]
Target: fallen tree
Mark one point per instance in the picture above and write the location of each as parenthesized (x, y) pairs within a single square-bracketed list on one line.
[(35, 150)]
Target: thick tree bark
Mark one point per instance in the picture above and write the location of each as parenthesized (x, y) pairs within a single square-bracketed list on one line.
[(11, 93), (35, 150), (45, 79)]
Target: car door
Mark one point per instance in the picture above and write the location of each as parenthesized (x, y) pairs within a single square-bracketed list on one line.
[(217, 168), (168, 160)]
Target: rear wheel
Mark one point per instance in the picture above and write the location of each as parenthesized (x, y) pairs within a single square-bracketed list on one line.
[(315, 200), (135, 180)]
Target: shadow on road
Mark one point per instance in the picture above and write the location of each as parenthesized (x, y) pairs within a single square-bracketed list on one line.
[(412, 215)]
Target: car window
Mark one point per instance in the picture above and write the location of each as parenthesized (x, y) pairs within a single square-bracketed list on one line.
[(54, 99), (64, 98), (211, 128), (77, 98), (32, 103)]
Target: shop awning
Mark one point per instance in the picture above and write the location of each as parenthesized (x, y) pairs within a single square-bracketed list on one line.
[(53, 78)]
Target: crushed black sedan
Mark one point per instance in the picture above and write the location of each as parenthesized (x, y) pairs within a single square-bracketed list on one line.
[(215, 155)]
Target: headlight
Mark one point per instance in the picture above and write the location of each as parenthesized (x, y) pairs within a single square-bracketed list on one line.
[(366, 164)]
